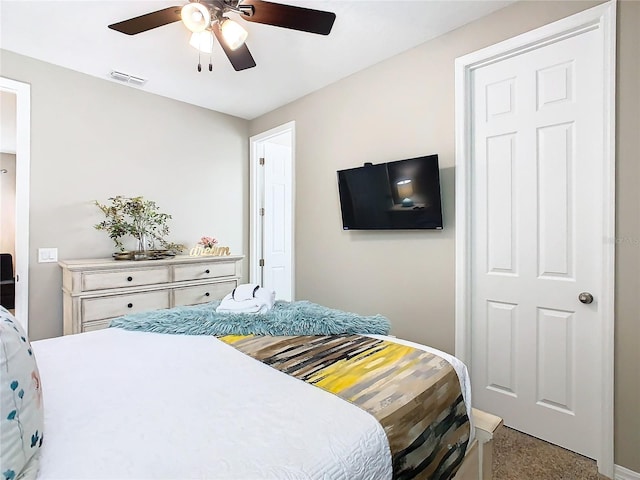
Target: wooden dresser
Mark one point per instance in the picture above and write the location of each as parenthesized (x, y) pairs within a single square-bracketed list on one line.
[(95, 291)]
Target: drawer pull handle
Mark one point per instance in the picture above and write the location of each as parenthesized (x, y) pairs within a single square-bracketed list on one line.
[(207, 271), (129, 279), (207, 294), (130, 305)]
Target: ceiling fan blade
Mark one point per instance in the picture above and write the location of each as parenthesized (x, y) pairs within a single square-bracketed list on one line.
[(288, 16), (148, 21), (240, 58)]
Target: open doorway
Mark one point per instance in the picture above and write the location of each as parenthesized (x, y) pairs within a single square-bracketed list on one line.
[(7, 220), (15, 121)]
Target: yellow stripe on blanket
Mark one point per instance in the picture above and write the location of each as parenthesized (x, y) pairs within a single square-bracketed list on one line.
[(415, 395), (345, 373)]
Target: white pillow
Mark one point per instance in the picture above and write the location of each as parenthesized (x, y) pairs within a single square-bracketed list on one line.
[(21, 409)]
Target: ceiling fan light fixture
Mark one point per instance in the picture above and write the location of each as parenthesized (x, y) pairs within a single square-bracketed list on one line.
[(195, 16), (233, 33), (203, 41)]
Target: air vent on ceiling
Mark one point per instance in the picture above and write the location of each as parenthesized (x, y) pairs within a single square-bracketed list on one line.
[(126, 78)]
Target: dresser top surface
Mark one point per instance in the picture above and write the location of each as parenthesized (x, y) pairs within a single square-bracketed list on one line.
[(108, 263)]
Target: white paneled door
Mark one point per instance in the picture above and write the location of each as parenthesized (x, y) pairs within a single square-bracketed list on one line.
[(271, 234), (276, 273), (536, 230)]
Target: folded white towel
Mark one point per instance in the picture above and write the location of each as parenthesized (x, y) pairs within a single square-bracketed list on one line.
[(262, 302), (245, 291), (246, 306), (267, 297)]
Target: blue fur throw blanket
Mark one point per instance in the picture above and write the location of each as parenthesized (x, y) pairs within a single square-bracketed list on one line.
[(285, 318)]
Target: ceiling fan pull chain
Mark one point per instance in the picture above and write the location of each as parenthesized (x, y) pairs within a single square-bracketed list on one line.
[(211, 62), (199, 64)]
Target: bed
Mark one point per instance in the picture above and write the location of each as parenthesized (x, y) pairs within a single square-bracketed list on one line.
[(122, 404)]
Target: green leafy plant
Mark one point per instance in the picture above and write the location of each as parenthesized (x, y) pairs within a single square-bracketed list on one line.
[(137, 217)]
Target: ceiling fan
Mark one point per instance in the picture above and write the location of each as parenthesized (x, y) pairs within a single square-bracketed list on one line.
[(206, 18)]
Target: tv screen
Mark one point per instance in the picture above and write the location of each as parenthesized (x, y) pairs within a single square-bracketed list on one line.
[(404, 194)]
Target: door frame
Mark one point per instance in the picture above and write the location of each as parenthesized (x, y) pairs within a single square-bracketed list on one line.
[(603, 19), (255, 192), (22, 91)]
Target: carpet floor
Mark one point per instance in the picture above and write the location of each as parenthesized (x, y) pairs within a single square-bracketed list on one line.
[(518, 456)]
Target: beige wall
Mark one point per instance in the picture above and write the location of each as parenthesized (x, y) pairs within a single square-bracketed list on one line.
[(627, 374), (8, 204), (92, 139), (404, 107)]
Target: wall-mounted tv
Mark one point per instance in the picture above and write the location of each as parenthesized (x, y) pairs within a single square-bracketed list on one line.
[(404, 195)]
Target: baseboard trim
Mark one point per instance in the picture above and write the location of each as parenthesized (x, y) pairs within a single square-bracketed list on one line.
[(621, 473)]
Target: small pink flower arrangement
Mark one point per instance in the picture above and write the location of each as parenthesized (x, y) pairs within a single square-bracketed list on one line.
[(208, 242)]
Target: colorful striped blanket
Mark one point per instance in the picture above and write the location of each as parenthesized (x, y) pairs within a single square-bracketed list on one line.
[(415, 395)]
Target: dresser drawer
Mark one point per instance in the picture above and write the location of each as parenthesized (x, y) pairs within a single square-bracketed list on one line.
[(202, 271), (124, 278), (118, 305), (202, 293), (97, 325)]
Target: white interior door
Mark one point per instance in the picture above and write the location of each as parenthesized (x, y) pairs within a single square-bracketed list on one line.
[(272, 248), (276, 269), (537, 225)]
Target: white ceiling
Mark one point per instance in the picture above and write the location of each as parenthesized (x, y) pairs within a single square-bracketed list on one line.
[(290, 64)]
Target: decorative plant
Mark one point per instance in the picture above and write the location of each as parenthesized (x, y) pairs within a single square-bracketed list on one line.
[(137, 217), (208, 242)]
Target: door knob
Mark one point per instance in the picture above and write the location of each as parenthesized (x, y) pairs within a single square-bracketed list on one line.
[(585, 297)]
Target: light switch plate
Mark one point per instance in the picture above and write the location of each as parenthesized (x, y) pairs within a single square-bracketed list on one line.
[(46, 255)]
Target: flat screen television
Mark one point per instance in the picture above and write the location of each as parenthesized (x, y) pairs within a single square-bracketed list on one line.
[(403, 195)]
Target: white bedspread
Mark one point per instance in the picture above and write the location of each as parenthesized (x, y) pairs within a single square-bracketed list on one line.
[(132, 405)]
